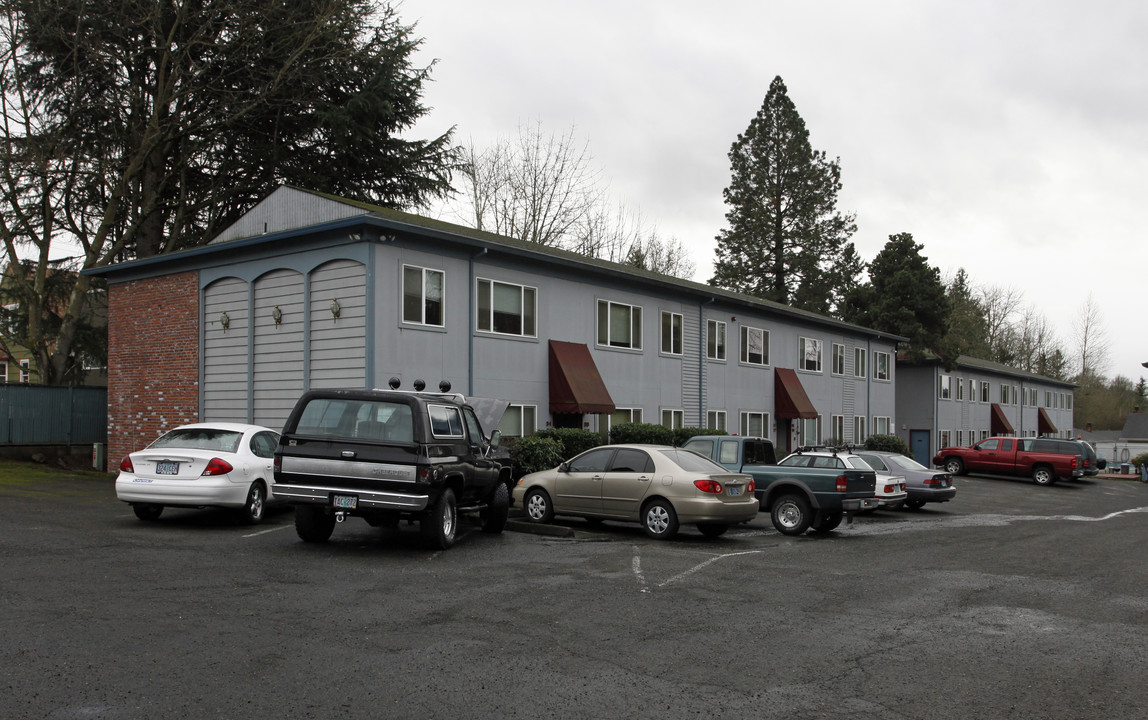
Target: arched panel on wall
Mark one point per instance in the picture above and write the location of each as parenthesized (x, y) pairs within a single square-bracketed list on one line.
[(278, 348), (225, 332), (337, 352)]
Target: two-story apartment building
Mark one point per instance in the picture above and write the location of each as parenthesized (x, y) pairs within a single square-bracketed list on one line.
[(939, 408), (311, 291)]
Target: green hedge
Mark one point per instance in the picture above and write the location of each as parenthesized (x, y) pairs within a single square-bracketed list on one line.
[(888, 443), (574, 441), (651, 434), (534, 453)]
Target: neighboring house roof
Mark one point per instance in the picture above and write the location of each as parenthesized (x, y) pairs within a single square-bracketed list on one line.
[(290, 213), (972, 363), (1135, 428)]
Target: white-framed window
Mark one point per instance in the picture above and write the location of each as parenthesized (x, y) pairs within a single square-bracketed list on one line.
[(880, 365), (972, 390), (809, 354), (959, 385), (423, 296), (625, 415), (837, 427), (619, 325), (3, 371), (986, 388), (1068, 401), (859, 356), (519, 421), (25, 370), (809, 431), (715, 340), (945, 438), (1006, 394), (960, 438), (673, 419), (754, 424), (754, 346), (838, 359), (506, 308), (715, 420), (671, 333), (881, 424), (446, 421), (859, 434), (945, 387)]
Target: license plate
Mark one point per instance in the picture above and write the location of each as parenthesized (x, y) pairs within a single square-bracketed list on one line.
[(167, 467), (346, 502), (733, 490)]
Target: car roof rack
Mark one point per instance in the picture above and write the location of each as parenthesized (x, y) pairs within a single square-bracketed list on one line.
[(847, 449)]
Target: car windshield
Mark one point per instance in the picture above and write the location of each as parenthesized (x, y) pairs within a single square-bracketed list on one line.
[(905, 463), (692, 462), (200, 439)]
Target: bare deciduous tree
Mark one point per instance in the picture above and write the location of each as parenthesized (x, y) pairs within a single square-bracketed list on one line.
[(1090, 339)]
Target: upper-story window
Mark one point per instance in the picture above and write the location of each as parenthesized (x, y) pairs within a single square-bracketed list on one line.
[(945, 387), (809, 354), (672, 333), (838, 359), (422, 296), (880, 365), (715, 340), (619, 325), (859, 358), (754, 346), (959, 385), (507, 308), (25, 370), (986, 387)]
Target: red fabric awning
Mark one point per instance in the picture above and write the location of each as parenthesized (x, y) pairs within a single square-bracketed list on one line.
[(999, 423), (789, 398), (575, 384), (1044, 424)]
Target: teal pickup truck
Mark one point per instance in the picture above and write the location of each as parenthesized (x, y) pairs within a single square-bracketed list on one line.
[(797, 498)]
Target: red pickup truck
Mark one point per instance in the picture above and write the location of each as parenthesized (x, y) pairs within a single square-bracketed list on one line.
[(1045, 459)]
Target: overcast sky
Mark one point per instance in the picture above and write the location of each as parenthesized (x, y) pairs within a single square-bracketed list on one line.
[(1009, 138)]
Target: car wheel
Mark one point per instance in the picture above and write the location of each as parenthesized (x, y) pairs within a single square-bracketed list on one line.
[(712, 530), (494, 515), (313, 524), (660, 520), (147, 512), (1043, 475), (827, 522), (539, 509), (914, 504), (955, 466), (791, 514), (256, 504), (439, 526)]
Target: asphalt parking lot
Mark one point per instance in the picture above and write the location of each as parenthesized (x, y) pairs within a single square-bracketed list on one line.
[(1013, 601)]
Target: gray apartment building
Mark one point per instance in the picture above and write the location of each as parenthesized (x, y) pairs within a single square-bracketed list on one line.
[(976, 399), (313, 291)]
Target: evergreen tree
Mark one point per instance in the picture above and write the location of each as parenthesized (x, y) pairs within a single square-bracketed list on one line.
[(968, 330), (786, 241)]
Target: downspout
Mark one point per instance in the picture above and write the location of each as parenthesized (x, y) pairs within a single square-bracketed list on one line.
[(702, 362), (470, 335)]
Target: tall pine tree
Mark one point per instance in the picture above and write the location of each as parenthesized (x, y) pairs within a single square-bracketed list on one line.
[(786, 241)]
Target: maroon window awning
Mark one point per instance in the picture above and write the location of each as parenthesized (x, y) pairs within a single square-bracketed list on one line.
[(1044, 424), (575, 384), (789, 399), (999, 423)]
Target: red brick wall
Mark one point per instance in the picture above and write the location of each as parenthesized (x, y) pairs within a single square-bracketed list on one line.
[(153, 360)]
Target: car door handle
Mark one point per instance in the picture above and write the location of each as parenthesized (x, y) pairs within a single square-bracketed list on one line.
[(643, 479)]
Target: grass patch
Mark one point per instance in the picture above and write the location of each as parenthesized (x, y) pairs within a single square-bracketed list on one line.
[(14, 473)]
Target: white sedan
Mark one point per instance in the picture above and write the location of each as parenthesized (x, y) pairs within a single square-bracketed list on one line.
[(226, 465)]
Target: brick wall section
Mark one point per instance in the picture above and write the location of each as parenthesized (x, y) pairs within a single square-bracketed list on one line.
[(153, 360)]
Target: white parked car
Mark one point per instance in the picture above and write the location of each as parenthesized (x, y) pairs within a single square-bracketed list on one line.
[(226, 465), (890, 490)]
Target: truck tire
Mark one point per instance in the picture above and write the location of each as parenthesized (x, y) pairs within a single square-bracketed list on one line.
[(1043, 475), (791, 514), (439, 526), (955, 466), (313, 524), (494, 515), (827, 521)]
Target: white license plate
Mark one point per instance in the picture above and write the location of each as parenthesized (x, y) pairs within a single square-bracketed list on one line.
[(167, 467), (733, 490), (345, 502)]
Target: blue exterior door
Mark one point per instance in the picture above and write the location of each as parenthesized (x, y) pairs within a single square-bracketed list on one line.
[(919, 446)]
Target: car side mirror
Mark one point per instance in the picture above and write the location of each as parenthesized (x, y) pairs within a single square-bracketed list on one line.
[(495, 438), (563, 468)]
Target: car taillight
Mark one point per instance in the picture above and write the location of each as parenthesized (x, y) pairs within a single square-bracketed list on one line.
[(842, 483), (708, 486), (891, 488), (751, 487), (1073, 463), (217, 467), (126, 465)]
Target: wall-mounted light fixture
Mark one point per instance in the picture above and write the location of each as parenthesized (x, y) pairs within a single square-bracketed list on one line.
[(336, 308), (224, 320), (276, 314)]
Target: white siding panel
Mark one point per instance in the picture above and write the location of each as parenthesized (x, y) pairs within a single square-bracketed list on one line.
[(338, 345), (225, 351), (278, 347)]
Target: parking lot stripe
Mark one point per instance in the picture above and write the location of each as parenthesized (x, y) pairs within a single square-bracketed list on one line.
[(268, 530), (707, 563)]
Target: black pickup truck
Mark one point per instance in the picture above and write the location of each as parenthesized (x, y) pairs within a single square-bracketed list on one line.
[(385, 455)]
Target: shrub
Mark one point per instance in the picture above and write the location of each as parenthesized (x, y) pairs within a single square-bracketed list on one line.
[(534, 453), (1140, 460), (574, 441), (888, 443), (641, 433)]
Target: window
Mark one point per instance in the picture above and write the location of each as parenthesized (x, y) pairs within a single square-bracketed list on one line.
[(672, 333), (960, 386), (859, 434), (837, 425), (880, 425), (25, 370), (519, 421), (809, 431), (3, 372), (1047, 398), (631, 461), (715, 340), (619, 325), (986, 386), (880, 365), (625, 415), (945, 388), (972, 390), (422, 296), (506, 309), (809, 354), (673, 419), (859, 362), (1006, 394), (754, 424), (838, 359), (446, 421), (960, 438), (591, 461), (1068, 401), (984, 434), (945, 438), (715, 420), (754, 346)]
